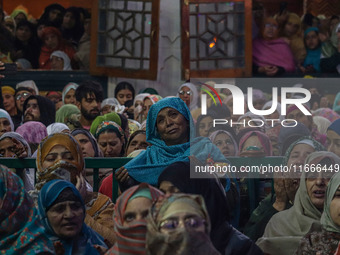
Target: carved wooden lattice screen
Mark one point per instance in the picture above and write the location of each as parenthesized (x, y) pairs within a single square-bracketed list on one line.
[(216, 38), (124, 39)]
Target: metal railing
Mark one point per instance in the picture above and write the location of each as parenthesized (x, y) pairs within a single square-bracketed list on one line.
[(115, 163)]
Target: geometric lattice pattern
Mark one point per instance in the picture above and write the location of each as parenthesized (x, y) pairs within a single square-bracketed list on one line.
[(217, 35), (124, 34), (327, 8)]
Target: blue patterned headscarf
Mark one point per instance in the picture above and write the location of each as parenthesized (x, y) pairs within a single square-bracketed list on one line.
[(21, 228), (148, 165), (48, 194)]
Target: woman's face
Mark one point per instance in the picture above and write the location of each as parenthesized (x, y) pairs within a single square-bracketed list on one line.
[(333, 142), (70, 97), (299, 154), (19, 18), (137, 143), (312, 40), (270, 30), (316, 186), (110, 144), (182, 220), (5, 126), (186, 95), (40, 29), (204, 126), (334, 208), (23, 33), (291, 28), (124, 95), (225, 144), (58, 152), (300, 117), (69, 20), (146, 107), (9, 149), (107, 109), (136, 210), (172, 127), (85, 144), (51, 41), (168, 188), (57, 63), (66, 218)]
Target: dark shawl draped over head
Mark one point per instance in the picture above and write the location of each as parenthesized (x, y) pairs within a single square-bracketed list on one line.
[(224, 237), (213, 193), (46, 107)]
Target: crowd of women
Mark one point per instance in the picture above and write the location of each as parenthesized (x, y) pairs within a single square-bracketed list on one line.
[(160, 208), (290, 44), (58, 40)]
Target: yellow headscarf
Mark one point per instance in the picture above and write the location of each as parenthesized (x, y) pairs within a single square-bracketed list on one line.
[(75, 167)]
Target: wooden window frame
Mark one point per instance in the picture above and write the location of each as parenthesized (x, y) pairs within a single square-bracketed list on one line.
[(245, 71), (149, 74)]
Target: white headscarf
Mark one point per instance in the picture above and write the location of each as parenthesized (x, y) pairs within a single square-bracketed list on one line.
[(56, 128), (113, 101), (194, 98), (63, 55), (28, 84), (67, 88)]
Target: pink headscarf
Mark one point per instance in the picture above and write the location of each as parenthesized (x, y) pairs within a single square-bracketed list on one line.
[(32, 131), (264, 140)]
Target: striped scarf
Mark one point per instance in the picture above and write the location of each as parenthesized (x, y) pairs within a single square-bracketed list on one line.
[(130, 239)]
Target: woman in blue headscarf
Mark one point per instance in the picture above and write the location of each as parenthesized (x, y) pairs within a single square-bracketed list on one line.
[(311, 63), (62, 211), (170, 130)]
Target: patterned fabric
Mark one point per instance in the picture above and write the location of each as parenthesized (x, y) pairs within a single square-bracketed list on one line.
[(21, 229), (63, 169), (32, 131), (329, 114), (180, 240), (303, 140), (133, 126), (86, 239), (148, 165), (154, 98), (130, 239), (319, 241), (109, 125), (112, 116)]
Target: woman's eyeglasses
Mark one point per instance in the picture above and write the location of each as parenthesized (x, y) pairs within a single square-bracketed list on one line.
[(23, 95), (270, 25), (192, 223), (182, 92)]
